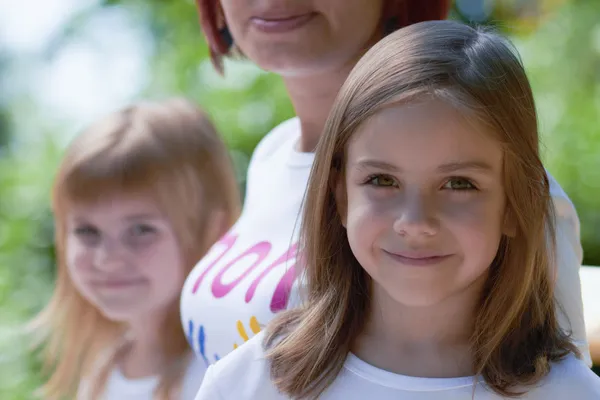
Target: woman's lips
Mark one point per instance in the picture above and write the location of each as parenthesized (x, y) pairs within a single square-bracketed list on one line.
[(281, 24)]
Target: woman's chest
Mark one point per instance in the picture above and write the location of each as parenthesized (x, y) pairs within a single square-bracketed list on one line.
[(238, 287)]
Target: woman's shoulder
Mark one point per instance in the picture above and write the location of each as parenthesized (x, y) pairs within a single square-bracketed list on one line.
[(562, 201), (242, 374), (569, 378)]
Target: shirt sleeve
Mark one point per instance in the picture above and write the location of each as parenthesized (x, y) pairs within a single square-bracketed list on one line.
[(569, 256), (569, 379), (208, 390)]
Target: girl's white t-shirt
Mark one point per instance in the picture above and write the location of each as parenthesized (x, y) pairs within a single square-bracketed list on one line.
[(119, 387), (249, 275), (245, 375)]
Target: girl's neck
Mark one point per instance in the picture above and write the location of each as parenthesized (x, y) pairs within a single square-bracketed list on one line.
[(432, 341), (144, 354)]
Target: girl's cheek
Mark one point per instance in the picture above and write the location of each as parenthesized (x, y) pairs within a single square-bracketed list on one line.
[(475, 211)]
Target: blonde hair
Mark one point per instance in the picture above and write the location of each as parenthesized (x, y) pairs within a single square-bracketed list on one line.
[(516, 334), (170, 152)]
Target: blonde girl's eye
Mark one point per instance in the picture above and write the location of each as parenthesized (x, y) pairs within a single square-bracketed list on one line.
[(138, 230), (141, 235), (87, 234)]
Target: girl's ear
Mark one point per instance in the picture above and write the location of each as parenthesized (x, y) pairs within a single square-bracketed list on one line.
[(509, 226), (341, 198)]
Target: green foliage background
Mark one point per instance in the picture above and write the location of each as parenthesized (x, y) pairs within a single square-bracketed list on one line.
[(561, 53)]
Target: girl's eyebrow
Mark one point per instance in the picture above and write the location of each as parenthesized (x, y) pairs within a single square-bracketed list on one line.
[(477, 165), (454, 166), (129, 217), (79, 219), (376, 164), (143, 216)]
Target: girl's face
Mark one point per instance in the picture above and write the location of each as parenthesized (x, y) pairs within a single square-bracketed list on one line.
[(294, 38), (123, 256), (424, 203)]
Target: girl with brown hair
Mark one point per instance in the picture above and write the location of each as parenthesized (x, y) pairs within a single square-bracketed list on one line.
[(427, 240), (251, 273)]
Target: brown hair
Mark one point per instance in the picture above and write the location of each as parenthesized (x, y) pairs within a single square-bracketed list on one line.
[(170, 152), (516, 334), (399, 12)]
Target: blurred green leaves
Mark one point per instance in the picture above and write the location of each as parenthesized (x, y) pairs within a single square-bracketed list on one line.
[(561, 51), (563, 62)]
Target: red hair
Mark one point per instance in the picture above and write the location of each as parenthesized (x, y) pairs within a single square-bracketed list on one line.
[(403, 12)]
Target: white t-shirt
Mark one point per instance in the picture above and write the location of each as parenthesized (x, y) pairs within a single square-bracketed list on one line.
[(590, 287), (249, 274), (119, 387), (245, 375)]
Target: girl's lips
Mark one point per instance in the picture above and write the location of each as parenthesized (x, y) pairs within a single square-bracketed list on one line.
[(281, 24), (417, 259), (117, 283)]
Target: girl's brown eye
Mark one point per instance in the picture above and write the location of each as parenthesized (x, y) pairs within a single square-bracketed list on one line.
[(459, 184), (382, 180)]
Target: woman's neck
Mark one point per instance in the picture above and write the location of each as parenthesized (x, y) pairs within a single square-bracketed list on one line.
[(429, 341), (313, 96)]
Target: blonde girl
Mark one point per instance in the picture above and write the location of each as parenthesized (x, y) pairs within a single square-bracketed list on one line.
[(139, 197), (426, 241)]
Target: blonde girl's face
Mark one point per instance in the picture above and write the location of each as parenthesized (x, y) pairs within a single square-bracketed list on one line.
[(123, 256), (423, 202)]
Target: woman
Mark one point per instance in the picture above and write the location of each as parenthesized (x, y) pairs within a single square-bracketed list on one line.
[(250, 274)]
